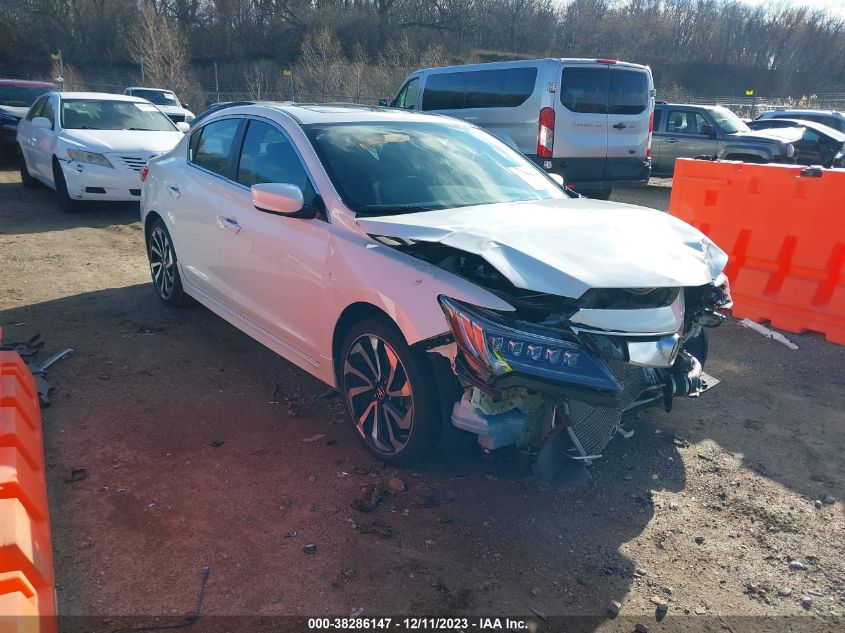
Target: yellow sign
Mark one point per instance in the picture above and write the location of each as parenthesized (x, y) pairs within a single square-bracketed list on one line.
[(55, 57), (749, 93), (286, 72)]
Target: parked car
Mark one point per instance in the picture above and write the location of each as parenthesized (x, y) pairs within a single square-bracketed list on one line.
[(818, 145), (16, 96), (214, 107), (830, 118), (166, 100), (432, 273), (92, 146), (693, 131), (587, 120)]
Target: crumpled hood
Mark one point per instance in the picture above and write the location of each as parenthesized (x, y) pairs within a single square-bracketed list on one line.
[(103, 141), (18, 112), (565, 247), (780, 135)]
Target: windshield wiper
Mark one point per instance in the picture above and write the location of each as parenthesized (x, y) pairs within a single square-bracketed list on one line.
[(141, 129), (395, 209)]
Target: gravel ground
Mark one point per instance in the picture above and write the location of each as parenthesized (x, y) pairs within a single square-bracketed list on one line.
[(192, 437)]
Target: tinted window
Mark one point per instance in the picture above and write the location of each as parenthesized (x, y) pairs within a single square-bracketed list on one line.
[(503, 88), (628, 91), (47, 111), (19, 96), (267, 156), (407, 98), (682, 122), (658, 114), (585, 89), (35, 109), (211, 144)]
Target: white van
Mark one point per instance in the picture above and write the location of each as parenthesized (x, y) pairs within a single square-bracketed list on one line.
[(589, 120)]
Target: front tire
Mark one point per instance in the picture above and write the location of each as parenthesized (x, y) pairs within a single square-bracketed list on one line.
[(163, 266), (390, 393), (26, 180), (66, 203)]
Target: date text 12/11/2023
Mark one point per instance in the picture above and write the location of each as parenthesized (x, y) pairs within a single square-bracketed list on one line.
[(419, 624)]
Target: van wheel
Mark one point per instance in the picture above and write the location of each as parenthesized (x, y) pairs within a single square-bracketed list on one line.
[(66, 203), (390, 393), (26, 180)]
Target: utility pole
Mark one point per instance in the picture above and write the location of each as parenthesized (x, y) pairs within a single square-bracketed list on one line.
[(216, 83)]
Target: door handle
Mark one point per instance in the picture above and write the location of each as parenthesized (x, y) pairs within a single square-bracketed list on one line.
[(671, 140), (619, 126), (174, 191), (230, 224)]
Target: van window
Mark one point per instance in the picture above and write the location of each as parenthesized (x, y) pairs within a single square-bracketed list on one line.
[(601, 90), (584, 90), (502, 88), (628, 92), (407, 97)]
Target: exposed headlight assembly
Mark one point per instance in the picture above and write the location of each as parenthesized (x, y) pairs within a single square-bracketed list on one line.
[(89, 157), (495, 349)]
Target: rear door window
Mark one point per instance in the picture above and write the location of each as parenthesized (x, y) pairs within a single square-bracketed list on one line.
[(212, 143), (584, 90), (628, 93), (500, 88)]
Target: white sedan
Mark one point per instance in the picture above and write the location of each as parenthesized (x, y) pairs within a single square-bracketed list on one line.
[(92, 146), (433, 275)]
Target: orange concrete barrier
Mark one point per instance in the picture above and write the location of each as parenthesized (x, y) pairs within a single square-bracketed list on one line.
[(27, 581), (783, 227)]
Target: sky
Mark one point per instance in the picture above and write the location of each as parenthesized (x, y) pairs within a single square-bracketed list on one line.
[(836, 6)]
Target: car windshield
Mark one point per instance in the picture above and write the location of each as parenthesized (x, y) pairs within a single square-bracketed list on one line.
[(104, 114), (20, 96), (386, 168), (728, 121), (158, 97)]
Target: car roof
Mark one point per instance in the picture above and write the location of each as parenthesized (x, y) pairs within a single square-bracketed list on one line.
[(146, 88), (26, 83), (102, 96), (686, 105), (308, 113), (780, 112), (528, 62)]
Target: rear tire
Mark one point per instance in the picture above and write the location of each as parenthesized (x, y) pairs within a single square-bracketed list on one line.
[(26, 180), (164, 268), (390, 393), (66, 203)]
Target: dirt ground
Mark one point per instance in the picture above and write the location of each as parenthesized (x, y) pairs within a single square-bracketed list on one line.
[(192, 437)]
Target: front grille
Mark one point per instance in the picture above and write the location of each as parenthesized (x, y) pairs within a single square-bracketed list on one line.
[(176, 118), (594, 426), (135, 163)]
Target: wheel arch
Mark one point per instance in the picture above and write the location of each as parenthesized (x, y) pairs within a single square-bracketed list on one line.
[(352, 314), (149, 220)]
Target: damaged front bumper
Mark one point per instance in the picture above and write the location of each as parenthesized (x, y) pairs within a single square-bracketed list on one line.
[(522, 380)]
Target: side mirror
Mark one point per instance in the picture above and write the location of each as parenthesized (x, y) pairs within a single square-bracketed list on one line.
[(708, 130), (42, 123), (183, 127), (557, 178), (281, 199), (382, 103)]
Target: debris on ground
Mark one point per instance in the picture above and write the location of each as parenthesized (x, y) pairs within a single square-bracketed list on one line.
[(397, 485), (614, 607), (313, 438), (76, 474), (310, 549), (371, 499), (762, 329), (380, 529), (218, 443), (797, 565)]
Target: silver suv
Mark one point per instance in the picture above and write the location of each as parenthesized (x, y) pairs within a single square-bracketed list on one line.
[(587, 120), (694, 131)]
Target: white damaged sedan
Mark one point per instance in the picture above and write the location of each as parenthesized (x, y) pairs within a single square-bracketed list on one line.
[(92, 146), (434, 276)]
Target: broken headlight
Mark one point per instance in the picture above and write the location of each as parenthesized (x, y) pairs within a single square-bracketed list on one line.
[(494, 348)]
